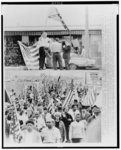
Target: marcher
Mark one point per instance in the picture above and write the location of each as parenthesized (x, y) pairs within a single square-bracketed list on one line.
[(73, 111), (77, 130), (50, 134), (56, 49), (53, 131), (30, 135), (46, 114), (60, 125), (67, 119), (39, 121)]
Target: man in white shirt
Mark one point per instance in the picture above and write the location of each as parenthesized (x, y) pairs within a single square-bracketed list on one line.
[(73, 111), (56, 49), (77, 130), (50, 134), (42, 44), (39, 121), (30, 135)]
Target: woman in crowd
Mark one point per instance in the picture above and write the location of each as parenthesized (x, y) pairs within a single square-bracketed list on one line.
[(60, 125), (67, 121)]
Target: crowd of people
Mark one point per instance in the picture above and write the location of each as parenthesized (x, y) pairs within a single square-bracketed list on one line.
[(38, 121), (51, 49)]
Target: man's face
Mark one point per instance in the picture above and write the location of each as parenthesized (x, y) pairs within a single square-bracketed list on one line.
[(29, 127), (44, 35), (39, 109), (83, 112), (36, 115), (49, 124), (57, 118), (45, 111), (66, 110), (78, 117), (74, 108)]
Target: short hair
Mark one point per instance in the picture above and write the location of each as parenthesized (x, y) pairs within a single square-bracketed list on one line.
[(59, 108), (45, 108), (74, 105), (39, 104), (75, 100)]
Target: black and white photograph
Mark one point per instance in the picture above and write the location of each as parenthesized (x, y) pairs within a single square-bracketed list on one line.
[(59, 74)]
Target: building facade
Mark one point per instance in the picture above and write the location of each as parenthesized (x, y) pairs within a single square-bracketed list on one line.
[(29, 37)]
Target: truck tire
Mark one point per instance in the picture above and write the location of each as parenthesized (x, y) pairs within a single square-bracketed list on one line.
[(72, 67)]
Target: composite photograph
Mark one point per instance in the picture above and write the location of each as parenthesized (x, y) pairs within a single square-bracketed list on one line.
[(54, 73)]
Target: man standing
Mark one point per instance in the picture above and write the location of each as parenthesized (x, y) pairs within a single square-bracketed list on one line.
[(56, 49), (76, 45), (77, 130), (67, 119), (66, 53), (43, 44), (30, 135), (50, 134), (60, 125), (73, 111)]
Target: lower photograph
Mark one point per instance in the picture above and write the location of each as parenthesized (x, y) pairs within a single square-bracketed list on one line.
[(49, 109)]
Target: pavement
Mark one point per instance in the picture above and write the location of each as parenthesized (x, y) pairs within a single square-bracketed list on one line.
[(11, 72)]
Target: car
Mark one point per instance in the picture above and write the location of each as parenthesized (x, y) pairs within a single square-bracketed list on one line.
[(79, 61)]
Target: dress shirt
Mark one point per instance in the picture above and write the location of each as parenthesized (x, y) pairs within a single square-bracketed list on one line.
[(77, 129), (43, 42), (56, 47)]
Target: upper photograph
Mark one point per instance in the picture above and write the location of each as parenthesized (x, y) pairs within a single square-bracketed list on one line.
[(56, 37)]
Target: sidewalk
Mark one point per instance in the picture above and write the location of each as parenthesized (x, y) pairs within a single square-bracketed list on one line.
[(11, 72)]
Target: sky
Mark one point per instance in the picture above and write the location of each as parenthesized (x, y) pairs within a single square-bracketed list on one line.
[(36, 15)]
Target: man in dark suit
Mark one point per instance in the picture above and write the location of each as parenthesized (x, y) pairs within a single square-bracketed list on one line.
[(66, 53), (67, 119)]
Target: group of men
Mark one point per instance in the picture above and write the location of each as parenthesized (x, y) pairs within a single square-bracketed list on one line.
[(52, 49), (39, 125)]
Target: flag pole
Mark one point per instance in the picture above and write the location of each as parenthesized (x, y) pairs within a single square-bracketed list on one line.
[(85, 78), (86, 31), (46, 20)]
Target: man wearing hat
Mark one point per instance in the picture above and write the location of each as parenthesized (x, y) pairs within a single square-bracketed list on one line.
[(50, 134), (30, 135)]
